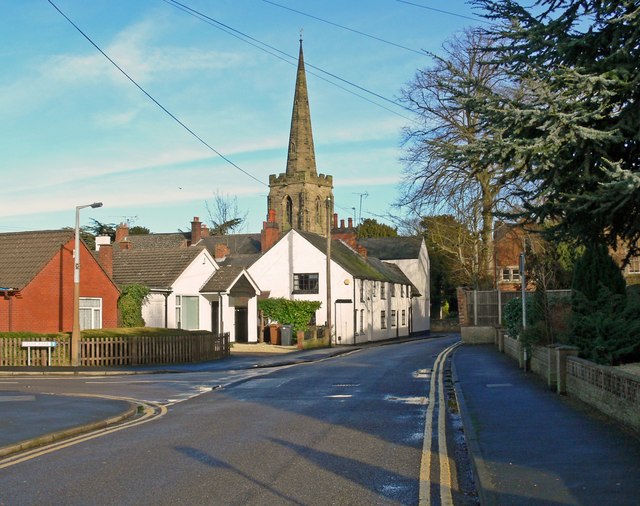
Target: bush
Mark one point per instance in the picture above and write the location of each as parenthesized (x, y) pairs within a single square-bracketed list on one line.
[(605, 321), (130, 304), (606, 330), (297, 313)]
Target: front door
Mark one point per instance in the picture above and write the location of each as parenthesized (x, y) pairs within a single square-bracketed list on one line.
[(242, 336)]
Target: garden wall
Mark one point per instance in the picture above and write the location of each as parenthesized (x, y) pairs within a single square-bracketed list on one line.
[(609, 389)]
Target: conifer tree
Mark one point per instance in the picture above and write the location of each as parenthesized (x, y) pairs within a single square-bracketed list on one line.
[(573, 131)]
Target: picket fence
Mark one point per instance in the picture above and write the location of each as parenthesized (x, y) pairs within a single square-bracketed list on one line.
[(118, 350)]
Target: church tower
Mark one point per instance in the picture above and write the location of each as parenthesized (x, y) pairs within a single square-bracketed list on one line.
[(300, 196)]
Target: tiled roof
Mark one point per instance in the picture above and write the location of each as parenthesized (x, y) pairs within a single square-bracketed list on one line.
[(222, 279), (155, 268), (238, 244), (365, 268), (146, 241), (392, 248), (24, 254)]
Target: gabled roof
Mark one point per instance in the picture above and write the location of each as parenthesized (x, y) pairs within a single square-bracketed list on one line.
[(392, 248), (224, 280), (154, 267), (345, 257), (24, 254), (359, 267)]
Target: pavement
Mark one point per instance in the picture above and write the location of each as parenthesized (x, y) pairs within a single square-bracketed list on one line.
[(527, 444)]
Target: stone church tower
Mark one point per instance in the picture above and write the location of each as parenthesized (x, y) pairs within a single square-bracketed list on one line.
[(300, 196)]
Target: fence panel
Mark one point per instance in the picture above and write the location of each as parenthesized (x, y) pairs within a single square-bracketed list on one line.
[(486, 307), (119, 350)]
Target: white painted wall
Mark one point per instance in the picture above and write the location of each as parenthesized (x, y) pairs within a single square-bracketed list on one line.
[(418, 272), (274, 272)]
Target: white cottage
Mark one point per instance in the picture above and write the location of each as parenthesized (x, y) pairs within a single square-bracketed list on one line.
[(370, 299), (189, 289)]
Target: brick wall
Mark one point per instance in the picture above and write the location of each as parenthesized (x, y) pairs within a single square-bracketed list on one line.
[(46, 304)]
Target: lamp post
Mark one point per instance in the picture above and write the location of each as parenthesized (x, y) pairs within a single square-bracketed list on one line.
[(75, 333)]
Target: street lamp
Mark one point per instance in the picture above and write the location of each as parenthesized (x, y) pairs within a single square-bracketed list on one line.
[(75, 333)]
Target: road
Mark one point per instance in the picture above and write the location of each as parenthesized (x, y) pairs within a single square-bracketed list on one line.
[(348, 430)]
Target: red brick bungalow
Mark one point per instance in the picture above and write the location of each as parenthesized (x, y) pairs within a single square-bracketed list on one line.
[(36, 284)]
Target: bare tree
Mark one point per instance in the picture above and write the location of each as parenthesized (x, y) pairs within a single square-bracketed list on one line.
[(444, 175), (224, 214)]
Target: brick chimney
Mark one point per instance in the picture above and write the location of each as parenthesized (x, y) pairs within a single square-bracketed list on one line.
[(221, 251), (122, 232), (270, 232), (205, 231), (105, 257), (196, 230), (345, 234)]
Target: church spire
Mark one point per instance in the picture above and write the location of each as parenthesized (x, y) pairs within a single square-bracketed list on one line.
[(301, 157)]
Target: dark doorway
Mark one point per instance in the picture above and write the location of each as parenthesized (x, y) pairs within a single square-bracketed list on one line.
[(215, 317), (242, 336)]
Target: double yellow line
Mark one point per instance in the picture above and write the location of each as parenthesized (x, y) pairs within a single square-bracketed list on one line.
[(437, 402)]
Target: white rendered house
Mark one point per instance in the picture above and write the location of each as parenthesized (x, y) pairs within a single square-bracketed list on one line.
[(370, 300)]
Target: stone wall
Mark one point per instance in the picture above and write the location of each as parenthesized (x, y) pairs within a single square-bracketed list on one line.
[(614, 392)]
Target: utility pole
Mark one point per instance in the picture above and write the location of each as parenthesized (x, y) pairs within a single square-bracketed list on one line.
[(328, 275)]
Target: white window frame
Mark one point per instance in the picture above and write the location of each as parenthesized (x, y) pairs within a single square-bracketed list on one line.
[(96, 312)]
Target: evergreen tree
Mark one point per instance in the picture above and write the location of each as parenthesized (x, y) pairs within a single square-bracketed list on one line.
[(372, 228), (596, 270), (572, 131)]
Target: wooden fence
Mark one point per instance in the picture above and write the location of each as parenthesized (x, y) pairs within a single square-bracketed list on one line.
[(114, 351)]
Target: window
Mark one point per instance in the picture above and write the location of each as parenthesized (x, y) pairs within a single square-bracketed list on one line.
[(288, 211), (510, 274), (383, 290), (404, 317), (90, 310), (187, 312), (393, 317), (362, 321), (305, 283), (401, 290), (392, 289), (634, 266), (374, 289), (383, 319), (318, 212), (362, 290)]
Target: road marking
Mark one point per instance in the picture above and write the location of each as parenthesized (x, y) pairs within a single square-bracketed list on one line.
[(151, 411), (419, 401), (436, 391), (10, 398)]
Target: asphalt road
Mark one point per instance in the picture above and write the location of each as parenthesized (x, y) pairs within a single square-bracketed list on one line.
[(348, 430)]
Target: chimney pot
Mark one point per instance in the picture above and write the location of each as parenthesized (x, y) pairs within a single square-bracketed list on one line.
[(350, 222)]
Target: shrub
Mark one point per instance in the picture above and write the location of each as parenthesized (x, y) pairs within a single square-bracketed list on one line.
[(606, 330), (130, 304), (297, 313)]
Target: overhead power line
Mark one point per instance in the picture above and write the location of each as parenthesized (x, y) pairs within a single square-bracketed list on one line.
[(346, 28), (170, 114), (238, 34), (443, 11)]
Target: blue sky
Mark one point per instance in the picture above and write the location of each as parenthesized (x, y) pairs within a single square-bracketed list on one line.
[(75, 130)]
